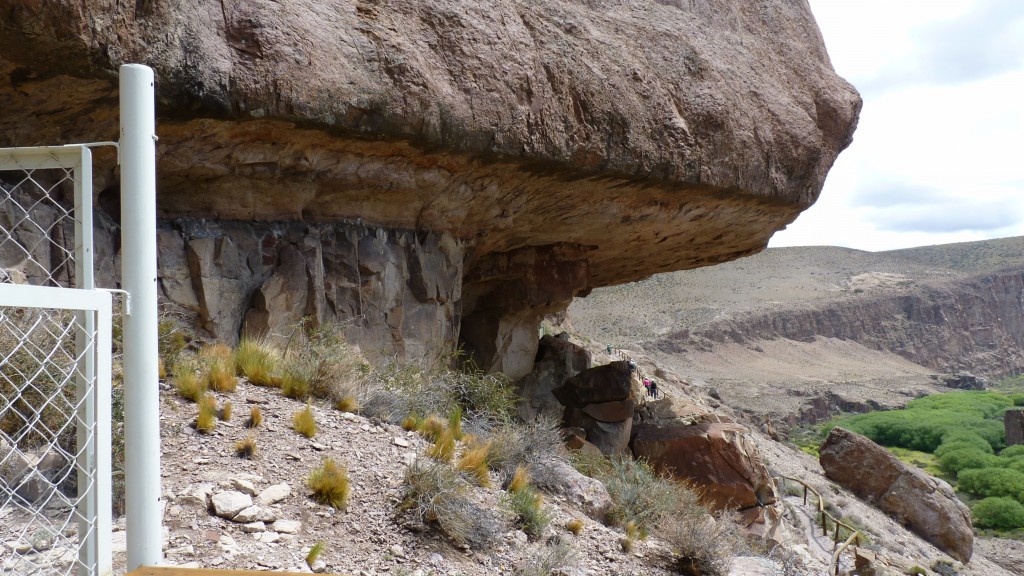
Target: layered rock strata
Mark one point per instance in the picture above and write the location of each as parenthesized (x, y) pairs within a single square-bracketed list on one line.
[(562, 145), (924, 504)]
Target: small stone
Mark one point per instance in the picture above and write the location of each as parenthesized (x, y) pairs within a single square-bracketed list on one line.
[(229, 503), (398, 441), (226, 540), (254, 527), (268, 537), (274, 494), (287, 526), (436, 559), (397, 551), (244, 486), (255, 514), (318, 566)]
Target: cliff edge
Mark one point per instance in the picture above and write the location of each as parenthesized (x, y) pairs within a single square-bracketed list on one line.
[(527, 152)]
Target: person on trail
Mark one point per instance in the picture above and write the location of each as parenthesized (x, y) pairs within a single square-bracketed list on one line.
[(647, 386), (609, 348), (654, 389), (632, 366)]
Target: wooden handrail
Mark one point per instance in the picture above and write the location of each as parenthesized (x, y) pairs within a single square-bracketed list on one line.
[(855, 535)]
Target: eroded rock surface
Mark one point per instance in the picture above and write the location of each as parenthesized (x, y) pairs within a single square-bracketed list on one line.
[(718, 457), (557, 360), (925, 504), (564, 145)]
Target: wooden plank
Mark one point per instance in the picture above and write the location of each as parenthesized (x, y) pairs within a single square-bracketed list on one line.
[(174, 571)]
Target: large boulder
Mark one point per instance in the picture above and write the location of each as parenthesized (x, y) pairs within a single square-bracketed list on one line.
[(557, 360), (611, 438), (565, 145), (606, 383), (924, 504), (1013, 423), (719, 457)]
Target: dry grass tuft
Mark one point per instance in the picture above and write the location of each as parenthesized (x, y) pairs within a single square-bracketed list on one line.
[(347, 404), (520, 479), (225, 411), (330, 484), (257, 361), (207, 419), (294, 385), (443, 448), (412, 422), (575, 526), (455, 422), (186, 382), (304, 422), (255, 417), (431, 427), (246, 448), (627, 544), (474, 462), (314, 553)]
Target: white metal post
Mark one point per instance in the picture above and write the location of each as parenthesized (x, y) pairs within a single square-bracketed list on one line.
[(138, 277)]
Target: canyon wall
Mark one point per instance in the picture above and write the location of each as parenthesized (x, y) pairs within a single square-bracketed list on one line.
[(974, 324), (437, 169)]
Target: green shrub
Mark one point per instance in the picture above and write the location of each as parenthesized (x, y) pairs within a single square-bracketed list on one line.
[(987, 482), (527, 505), (927, 422), (1012, 451), (963, 458), (957, 440), (1017, 399), (998, 512)]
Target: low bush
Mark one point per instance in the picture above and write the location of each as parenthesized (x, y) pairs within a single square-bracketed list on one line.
[(329, 484), (998, 512), (436, 494), (954, 461), (544, 560), (639, 496), (1012, 451), (959, 441), (987, 482), (525, 444), (704, 545), (318, 362), (527, 506)]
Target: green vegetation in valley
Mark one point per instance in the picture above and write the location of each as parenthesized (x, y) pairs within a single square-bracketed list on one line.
[(958, 436)]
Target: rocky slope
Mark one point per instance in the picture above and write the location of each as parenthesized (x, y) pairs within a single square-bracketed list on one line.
[(527, 151), (807, 331)]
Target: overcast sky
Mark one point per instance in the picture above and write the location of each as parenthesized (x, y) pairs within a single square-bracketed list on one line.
[(938, 154)]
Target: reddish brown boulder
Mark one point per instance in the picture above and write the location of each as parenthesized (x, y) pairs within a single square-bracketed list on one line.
[(718, 457), (924, 504), (607, 383)]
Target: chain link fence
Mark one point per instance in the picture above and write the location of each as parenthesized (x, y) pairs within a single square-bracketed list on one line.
[(54, 335)]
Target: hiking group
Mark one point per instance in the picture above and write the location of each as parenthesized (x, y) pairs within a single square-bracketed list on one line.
[(652, 388)]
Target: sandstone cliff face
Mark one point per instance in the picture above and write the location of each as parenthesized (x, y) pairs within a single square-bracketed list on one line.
[(560, 145), (974, 323)]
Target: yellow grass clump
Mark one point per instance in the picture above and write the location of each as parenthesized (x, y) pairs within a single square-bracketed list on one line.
[(443, 448), (304, 423), (246, 448), (187, 383), (575, 526), (347, 404), (329, 484), (520, 479), (257, 361), (474, 461), (207, 419), (255, 417), (225, 411)]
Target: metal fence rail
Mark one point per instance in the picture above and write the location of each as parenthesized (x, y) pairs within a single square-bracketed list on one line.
[(54, 369)]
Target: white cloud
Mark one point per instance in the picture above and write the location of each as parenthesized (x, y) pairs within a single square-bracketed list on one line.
[(937, 154)]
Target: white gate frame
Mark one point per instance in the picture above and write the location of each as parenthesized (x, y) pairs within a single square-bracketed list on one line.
[(137, 157), (94, 511), (93, 311)]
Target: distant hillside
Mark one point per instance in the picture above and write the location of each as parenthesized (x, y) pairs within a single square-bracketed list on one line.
[(805, 322)]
